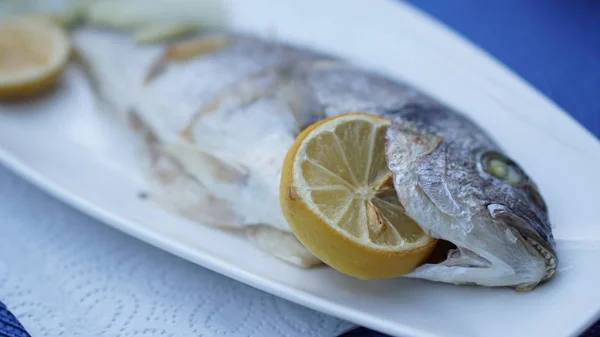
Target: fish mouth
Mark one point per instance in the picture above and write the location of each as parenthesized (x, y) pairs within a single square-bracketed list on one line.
[(525, 231), (548, 255)]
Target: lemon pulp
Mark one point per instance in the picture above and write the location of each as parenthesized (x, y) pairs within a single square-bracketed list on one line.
[(338, 196)]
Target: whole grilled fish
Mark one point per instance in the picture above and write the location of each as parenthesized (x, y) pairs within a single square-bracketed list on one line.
[(218, 113)]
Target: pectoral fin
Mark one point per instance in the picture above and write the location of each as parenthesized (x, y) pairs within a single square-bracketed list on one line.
[(281, 244), (206, 167), (175, 189), (186, 197)]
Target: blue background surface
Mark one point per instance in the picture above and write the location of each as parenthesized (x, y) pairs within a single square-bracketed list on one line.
[(552, 44)]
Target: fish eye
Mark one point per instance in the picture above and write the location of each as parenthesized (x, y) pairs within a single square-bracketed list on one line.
[(503, 168)]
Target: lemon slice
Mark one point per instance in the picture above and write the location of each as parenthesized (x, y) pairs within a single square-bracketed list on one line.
[(337, 194), (33, 54)]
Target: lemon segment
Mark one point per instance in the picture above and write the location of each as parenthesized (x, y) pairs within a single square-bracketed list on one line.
[(337, 194), (33, 55)]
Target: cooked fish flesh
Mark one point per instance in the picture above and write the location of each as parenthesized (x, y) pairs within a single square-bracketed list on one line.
[(216, 115)]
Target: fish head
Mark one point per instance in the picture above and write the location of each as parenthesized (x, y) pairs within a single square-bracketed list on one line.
[(459, 186)]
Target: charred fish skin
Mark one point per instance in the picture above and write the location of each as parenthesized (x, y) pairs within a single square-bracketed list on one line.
[(458, 184)]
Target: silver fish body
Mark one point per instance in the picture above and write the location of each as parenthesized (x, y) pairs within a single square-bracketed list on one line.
[(217, 115)]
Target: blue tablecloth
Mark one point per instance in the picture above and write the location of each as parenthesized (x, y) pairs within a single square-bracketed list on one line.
[(9, 326), (554, 45)]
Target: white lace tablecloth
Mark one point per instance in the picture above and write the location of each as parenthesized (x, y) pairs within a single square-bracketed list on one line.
[(65, 274)]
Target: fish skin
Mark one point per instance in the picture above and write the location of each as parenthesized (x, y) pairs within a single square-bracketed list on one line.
[(226, 117)]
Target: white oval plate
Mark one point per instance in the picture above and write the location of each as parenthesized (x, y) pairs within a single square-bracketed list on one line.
[(61, 144)]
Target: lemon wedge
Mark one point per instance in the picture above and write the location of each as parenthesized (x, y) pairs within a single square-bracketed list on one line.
[(337, 194), (33, 54)]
